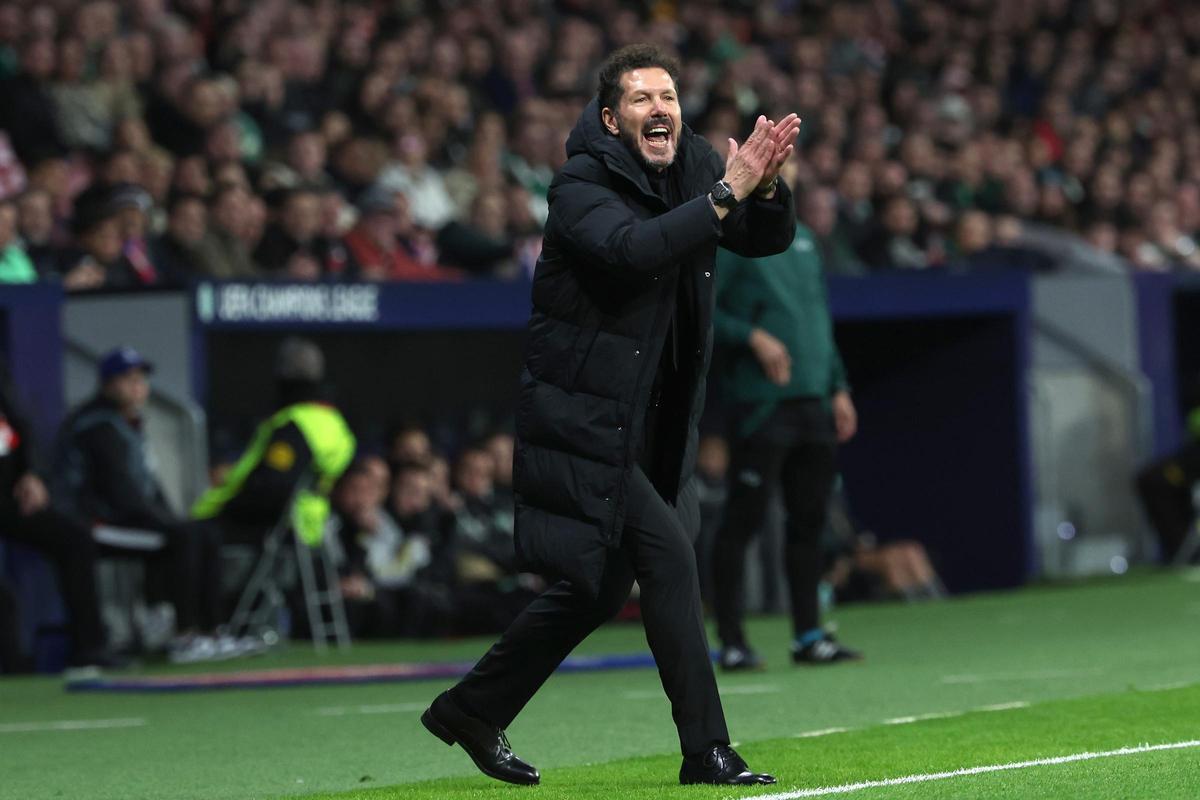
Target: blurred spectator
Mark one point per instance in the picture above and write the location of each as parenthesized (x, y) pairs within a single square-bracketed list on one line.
[(500, 447), (1047, 113), (412, 176), (295, 231), (375, 249), (490, 590), (894, 243), (410, 445), (28, 113), (37, 229), (103, 474), (15, 266), (388, 577), (96, 260), (818, 212), (223, 252), (132, 205), (860, 568), (176, 251)]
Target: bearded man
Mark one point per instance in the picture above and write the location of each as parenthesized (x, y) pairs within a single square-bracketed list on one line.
[(612, 388)]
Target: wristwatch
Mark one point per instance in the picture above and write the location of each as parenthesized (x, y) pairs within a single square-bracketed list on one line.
[(722, 195)]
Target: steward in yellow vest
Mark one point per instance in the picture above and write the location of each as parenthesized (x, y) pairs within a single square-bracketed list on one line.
[(305, 445)]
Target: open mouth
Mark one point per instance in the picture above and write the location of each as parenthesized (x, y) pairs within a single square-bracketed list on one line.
[(657, 135)]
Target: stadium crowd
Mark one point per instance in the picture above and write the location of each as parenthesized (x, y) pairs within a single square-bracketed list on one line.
[(148, 142)]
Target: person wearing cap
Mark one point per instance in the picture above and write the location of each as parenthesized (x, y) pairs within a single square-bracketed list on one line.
[(304, 437), (103, 474)]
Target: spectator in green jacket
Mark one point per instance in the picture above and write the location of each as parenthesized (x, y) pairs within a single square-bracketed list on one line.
[(791, 407), (15, 266)]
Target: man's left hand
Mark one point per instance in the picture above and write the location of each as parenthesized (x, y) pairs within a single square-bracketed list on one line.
[(845, 418), (30, 494), (783, 134)]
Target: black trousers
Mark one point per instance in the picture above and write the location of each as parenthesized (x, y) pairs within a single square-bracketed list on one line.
[(790, 451), (10, 648), (70, 548), (657, 551), (192, 561), (1165, 489)]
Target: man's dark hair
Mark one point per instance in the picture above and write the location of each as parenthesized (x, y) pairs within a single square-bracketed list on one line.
[(634, 56)]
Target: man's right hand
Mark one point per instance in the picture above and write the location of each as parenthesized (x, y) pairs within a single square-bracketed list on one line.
[(745, 165), (773, 357)]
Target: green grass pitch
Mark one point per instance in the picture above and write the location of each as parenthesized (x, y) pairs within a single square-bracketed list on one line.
[(986, 681)]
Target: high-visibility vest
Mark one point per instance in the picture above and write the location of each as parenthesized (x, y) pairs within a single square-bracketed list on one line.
[(332, 444)]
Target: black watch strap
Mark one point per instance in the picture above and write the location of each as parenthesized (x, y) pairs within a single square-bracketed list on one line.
[(722, 195)]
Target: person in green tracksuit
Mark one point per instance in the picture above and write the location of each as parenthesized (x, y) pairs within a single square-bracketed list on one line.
[(791, 407), (305, 437)]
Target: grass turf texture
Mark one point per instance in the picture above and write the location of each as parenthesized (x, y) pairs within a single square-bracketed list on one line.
[(1084, 657)]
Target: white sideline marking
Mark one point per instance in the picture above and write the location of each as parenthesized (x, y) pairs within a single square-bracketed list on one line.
[(923, 717), (393, 708), (1033, 675), (958, 773), (753, 688), (71, 725), (1169, 687), (1004, 706), (822, 732)]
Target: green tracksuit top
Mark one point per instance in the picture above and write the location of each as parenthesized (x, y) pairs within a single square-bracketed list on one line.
[(786, 296), (332, 447)]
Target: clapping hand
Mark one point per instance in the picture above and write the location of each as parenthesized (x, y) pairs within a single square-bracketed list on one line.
[(754, 165), (783, 136)]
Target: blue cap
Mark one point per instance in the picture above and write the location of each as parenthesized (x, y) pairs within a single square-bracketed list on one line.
[(120, 361)]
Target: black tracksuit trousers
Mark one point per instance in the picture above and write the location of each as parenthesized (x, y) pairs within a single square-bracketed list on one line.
[(655, 550), (796, 453)]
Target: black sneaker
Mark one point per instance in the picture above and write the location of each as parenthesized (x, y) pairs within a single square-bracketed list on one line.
[(826, 650), (740, 659)]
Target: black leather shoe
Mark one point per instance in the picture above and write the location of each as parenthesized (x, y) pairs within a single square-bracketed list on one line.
[(720, 765), (485, 744)]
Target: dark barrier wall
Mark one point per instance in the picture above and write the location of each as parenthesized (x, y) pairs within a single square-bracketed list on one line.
[(30, 340), (938, 365), (463, 381), (1169, 350)]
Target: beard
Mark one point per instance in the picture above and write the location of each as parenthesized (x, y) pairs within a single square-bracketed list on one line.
[(631, 137)]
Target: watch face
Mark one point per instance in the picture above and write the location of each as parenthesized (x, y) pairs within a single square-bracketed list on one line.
[(722, 194)]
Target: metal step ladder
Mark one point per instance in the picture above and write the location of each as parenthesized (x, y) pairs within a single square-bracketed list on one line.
[(262, 601)]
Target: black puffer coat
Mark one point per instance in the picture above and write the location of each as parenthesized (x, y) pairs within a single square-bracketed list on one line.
[(614, 263)]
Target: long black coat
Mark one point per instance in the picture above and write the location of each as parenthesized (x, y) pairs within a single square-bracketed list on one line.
[(615, 262)]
